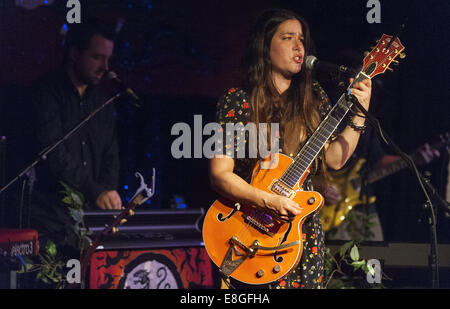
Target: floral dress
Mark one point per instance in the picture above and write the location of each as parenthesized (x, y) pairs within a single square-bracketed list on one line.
[(234, 107)]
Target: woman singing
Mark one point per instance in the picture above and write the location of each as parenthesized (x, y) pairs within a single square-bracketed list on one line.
[(278, 89)]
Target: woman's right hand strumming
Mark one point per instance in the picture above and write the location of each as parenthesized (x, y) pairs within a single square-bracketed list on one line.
[(230, 185), (284, 207)]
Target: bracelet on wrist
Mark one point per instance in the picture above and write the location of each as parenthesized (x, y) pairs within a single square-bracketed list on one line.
[(359, 129)]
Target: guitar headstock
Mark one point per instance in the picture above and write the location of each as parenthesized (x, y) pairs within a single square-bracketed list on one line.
[(382, 55), (143, 193)]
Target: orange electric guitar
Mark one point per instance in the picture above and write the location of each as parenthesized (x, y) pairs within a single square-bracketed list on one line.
[(253, 245)]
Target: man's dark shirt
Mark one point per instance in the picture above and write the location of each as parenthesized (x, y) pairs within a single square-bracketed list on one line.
[(89, 159)]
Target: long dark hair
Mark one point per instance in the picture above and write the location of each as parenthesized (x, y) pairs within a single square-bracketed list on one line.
[(298, 108)]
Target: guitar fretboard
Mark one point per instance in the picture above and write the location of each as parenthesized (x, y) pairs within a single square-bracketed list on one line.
[(394, 167), (391, 169), (317, 141)]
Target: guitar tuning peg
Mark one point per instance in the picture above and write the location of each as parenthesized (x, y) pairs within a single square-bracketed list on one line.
[(402, 55), (366, 53), (123, 221), (390, 69), (395, 62), (115, 229), (131, 212)]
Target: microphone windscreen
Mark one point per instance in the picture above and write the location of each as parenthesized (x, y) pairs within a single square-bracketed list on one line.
[(310, 62), (111, 75)]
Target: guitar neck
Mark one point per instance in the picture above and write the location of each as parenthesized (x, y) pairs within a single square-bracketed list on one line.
[(394, 167), (317, 141), (385, 171)]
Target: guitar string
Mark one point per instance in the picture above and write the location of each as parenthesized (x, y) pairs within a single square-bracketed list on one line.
[(317, 137), (292, 171), (245, 232)]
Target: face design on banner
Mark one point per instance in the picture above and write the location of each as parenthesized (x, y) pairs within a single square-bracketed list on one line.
[(151, 271), (151, 275)]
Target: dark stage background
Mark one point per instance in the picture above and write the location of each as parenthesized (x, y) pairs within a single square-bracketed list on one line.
[(180, 56)]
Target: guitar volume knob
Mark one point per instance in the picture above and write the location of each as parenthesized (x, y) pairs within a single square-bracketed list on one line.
[(260, 273), (277, 269), (311, 200)]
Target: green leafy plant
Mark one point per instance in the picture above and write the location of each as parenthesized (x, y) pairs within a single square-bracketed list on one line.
[(49, 264), (346, 269), (75, 200)]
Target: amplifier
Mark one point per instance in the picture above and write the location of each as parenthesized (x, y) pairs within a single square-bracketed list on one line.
[(150, 228)]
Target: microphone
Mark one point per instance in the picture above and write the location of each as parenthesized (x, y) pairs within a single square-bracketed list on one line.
[(113, 76), (312, 63)]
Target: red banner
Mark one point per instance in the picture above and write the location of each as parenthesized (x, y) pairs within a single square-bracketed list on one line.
[(178, 268)]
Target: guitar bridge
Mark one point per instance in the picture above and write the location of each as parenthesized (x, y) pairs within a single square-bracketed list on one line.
[(280, 188)]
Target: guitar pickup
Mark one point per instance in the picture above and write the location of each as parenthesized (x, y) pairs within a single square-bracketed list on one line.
[(280, 188)]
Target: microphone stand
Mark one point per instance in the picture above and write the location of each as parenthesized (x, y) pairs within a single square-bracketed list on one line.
[(46, 151), (424, 182)]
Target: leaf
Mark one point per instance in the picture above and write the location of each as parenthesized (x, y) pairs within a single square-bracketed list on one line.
[(358, 264), (50, 248), (66, 187), (67, 200), (77, 215), (345, 247), (77, 197), (77, 200), (354, 253)]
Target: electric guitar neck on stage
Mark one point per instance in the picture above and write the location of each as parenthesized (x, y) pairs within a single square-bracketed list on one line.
[(143, 193), (349, 182), (253, 245)]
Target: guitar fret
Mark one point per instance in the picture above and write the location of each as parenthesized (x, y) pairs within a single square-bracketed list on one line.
[(298, 168), (319, 134), (331, 129), (333, 120), (308, 156), (294, 173), (339, 114), (386, 171), (289, 179), (314, 147)]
